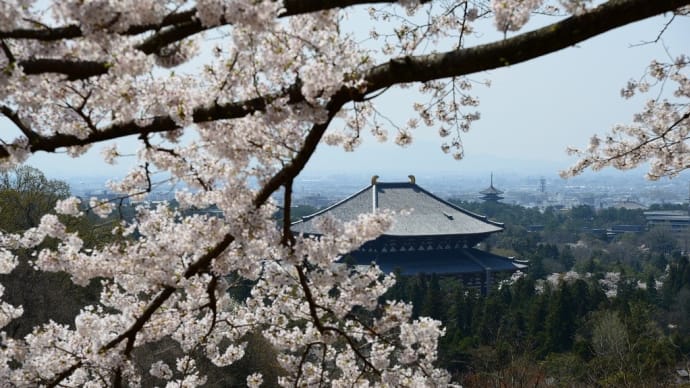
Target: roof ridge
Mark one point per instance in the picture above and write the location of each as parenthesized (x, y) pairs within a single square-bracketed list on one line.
[(406, 195), (310, 216)]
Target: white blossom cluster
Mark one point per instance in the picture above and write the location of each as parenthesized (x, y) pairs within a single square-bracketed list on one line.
[(511, 15), (514, 277), (609, 283), (451, 108), (658, 134)]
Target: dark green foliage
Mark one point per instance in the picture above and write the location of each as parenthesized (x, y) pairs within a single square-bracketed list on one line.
[(560, 321), (25, 196), (517, 335), (259, 357), (489, 338)]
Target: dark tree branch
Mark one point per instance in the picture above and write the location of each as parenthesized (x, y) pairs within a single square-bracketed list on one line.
[(292, 169), (43, 34), (659, 35), (303, 359), (212, 304), (288, 239), (554, 37), (8, 53), (649, 141), (296, 7), (158, 41), (304, 283), (292, 7), (354, 348), (158, 124), (176, 26), (203, 262), (62, 376), (79, 110), (14, 118), (47, 34), (175, 154), (520, 48), (73, 69)]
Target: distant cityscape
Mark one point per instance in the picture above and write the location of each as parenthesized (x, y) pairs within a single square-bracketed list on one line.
[(526, 190), (596, 190)]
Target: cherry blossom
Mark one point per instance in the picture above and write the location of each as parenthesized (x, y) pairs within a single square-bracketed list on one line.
[(658, 134), (228, 100)]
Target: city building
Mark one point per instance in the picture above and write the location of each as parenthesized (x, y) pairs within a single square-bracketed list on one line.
[(434, 237), (676, 220)]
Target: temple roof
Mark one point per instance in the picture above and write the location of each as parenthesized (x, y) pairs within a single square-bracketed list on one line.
[(491, 190), (430, 216)]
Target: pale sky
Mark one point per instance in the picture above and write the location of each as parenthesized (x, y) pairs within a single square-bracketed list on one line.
[(533, 110), (530, 114)]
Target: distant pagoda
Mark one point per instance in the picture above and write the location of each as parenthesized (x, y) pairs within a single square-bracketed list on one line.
[(491, 194), (436, 237)]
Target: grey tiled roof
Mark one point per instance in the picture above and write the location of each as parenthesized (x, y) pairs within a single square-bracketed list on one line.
[(491, 190), (448, 261), (430, 216)]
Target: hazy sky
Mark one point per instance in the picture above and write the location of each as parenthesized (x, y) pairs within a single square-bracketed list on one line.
[(530, 114), (533, 110)]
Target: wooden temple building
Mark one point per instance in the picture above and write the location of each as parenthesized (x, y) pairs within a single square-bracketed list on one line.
[(435, 237)]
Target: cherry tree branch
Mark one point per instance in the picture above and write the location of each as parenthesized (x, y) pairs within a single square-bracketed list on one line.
[(284, 176), (637, 148), (288, 238), (291, 8), (311, 141), (6, 50), (130, 334), (176, 26), (14, 118), (73, 69), (520, 48), (554, 37), (72, 31), (195, 268), (212, 304), (303, 359), (65, 374), (157, 124)]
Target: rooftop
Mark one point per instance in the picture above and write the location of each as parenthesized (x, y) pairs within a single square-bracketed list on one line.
[(429, 216), (667, 215)]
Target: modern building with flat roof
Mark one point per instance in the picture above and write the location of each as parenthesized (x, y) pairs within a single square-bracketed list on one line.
[(676, 220)]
